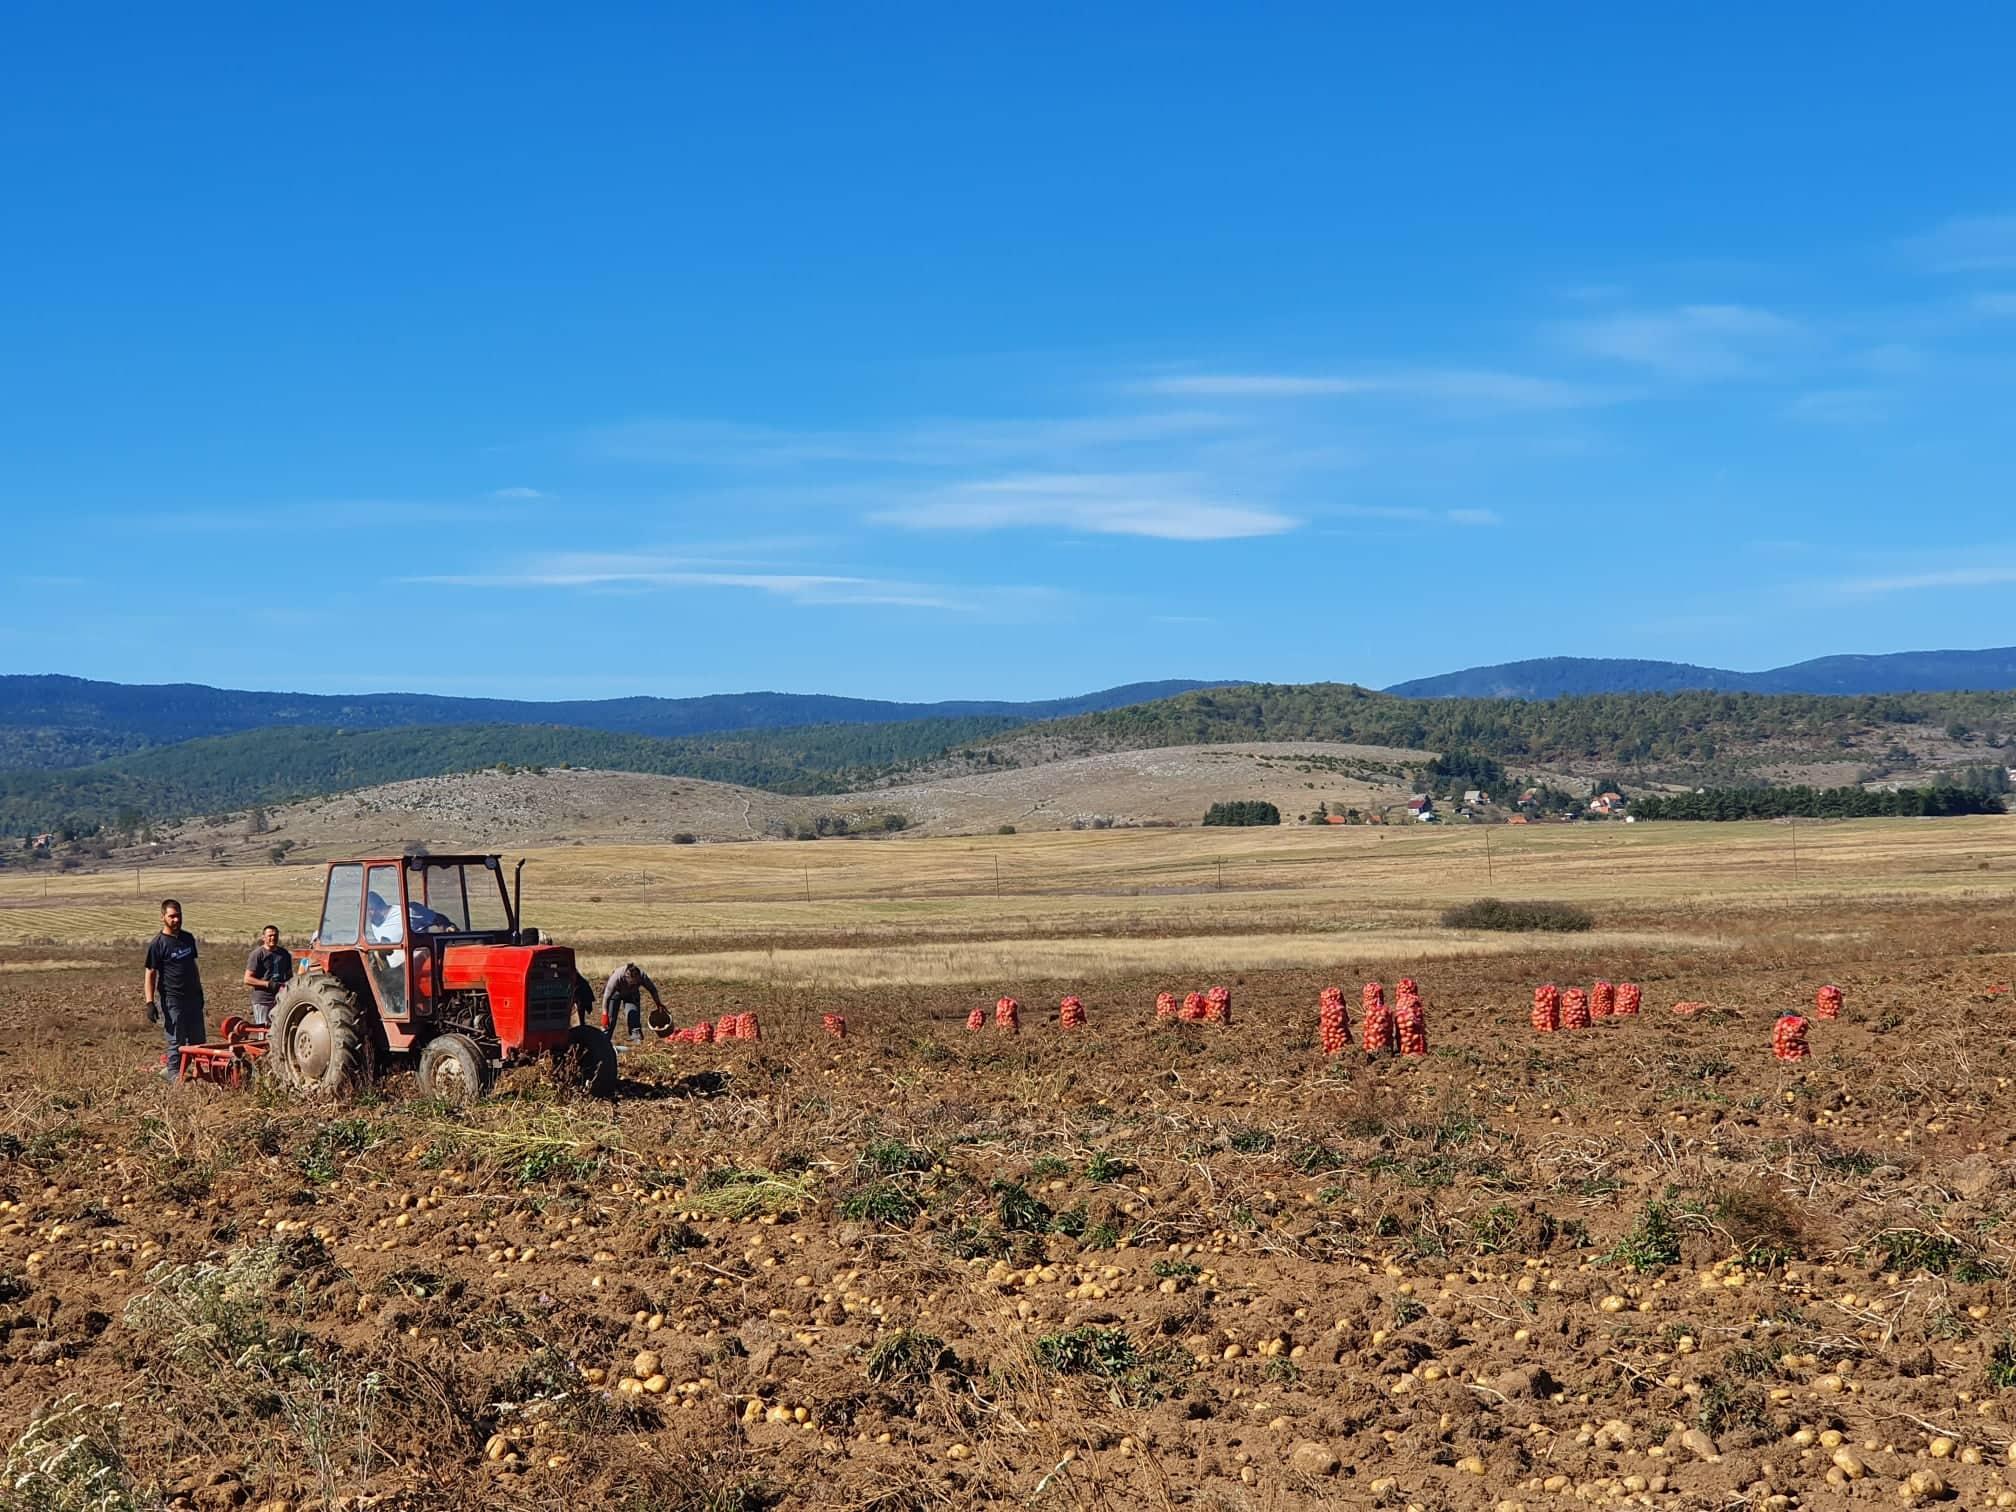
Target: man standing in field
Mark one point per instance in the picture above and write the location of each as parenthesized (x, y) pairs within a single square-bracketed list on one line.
[(174, 989), (269, 968), (626, 988)]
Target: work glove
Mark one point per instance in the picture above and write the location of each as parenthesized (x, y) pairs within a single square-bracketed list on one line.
[(153, 1011)]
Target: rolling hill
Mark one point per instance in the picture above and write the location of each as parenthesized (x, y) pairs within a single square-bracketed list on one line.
[(52, 721), (1577, 676), (1646, 738)]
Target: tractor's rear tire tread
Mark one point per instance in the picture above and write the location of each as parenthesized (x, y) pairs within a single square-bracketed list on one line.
[(351, 1062)]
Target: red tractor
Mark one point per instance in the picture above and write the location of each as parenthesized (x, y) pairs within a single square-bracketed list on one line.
[(427, 956)]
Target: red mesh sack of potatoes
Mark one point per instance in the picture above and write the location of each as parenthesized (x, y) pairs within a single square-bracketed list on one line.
[(1071, 1014), (1827, 1003), (1218, 1006), (724, 1028), (747, 1028), (1165, 1005), (1546, 1016), (1378, 1031), (1629, 996), (834, 1024), (976, 1021), (1371, 996), (1333, 1029), (1574, 1009), (1008, 1015), (1410, 1023), (1602, 1000), (1192, 1011), (702, 1033), (1788, 1038), (1688, 1009)]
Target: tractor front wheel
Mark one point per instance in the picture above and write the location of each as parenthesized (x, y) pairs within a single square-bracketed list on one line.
[(319, 1039), (452, 1069), (588, 1062)]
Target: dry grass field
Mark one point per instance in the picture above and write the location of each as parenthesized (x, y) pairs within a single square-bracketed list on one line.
[(1136, 1265)]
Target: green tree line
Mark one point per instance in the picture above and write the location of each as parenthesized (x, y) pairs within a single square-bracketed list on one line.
[(1818, 803)]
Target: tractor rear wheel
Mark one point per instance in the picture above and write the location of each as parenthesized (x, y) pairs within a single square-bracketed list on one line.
[(452, 1069), (319, 1040), (588, 1062)]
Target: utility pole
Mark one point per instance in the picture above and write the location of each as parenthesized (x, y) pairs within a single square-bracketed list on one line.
[(997, 876), (1795, 852), (1221, 874), (1487, 855)]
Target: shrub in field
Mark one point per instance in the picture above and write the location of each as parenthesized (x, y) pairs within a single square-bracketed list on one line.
[(1245, 811), (1108, 1352), (1653, 1242), (67, 1460), (906, 1355), (1531, 915)]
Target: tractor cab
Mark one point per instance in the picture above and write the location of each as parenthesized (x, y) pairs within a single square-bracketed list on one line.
[(401, 914), (431, 959)]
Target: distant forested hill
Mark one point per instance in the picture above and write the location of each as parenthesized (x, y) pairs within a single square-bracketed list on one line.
[(1621, 728), (1576, 676), (50, 721)]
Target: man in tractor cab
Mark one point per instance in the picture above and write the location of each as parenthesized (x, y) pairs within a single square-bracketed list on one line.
[(625, 989), (383, 922)]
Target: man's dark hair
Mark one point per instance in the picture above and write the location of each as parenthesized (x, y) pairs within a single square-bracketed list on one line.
[(264, 927), (633, 969), (168, 903)]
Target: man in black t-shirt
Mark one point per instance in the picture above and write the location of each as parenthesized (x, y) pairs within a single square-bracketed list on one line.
[(174, 989), (269, 968)]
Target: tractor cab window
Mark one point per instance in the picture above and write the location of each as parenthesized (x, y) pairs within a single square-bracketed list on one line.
[(384, 921), (341, 906), (449, 896)]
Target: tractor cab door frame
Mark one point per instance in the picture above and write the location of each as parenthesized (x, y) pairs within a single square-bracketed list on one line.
[(388, 958)]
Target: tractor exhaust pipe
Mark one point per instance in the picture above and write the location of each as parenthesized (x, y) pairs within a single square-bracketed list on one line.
[(518, 903)]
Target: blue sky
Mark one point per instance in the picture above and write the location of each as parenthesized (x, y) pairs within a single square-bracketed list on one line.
[(922, 352)]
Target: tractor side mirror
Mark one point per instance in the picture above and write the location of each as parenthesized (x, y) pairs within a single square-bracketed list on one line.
[(528, 937)]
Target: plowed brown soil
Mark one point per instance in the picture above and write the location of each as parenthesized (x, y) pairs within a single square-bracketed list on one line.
[(1134, 1266)]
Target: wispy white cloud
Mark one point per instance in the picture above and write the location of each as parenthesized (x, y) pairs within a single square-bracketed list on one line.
[(1414, 514), (923, 444), (515, 495), (1841, 406), (1940, 577), (1693, 342), (1966, 244), (1454, 386), (1167, 508), (646, 571)]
